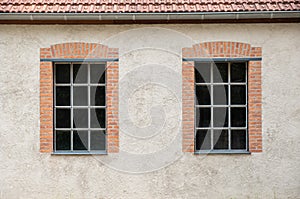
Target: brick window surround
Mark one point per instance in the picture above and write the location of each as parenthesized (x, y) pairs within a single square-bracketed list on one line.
[(214, 51), (78, 51)]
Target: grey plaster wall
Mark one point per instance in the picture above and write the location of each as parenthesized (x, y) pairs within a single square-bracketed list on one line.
[(155, 52)]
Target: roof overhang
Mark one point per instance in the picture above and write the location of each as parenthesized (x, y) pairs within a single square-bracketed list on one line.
[(65, 18)]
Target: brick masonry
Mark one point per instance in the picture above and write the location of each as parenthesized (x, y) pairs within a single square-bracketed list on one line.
[(78, 50), (228, 50)]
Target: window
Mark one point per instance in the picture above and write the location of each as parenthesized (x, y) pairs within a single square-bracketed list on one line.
[(228, 94), (221, 107), (70, 73), (79, 107)]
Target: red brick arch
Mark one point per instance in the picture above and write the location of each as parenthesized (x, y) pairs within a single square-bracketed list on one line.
[(223, 49), (78, 50)]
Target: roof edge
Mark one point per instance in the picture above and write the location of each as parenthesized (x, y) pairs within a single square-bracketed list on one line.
[(150, 16), (293, 16)]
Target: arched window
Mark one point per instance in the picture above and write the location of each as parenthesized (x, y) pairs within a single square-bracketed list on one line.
[(79, 99), (222, 98)]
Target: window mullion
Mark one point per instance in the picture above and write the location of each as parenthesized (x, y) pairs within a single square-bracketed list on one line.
[(54, 102), (195, 109), (72, 110), (89, 107), (211, 108), (106, 118), (247, 145), (229, 107)]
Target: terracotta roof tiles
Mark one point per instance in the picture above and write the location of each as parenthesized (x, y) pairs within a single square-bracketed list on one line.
[(145, 6)]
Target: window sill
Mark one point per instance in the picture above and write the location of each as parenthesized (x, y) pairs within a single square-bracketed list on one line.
[(79, 153), (221, 152)]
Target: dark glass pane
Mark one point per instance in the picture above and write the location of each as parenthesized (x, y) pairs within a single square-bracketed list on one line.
[(63, 118), (62, 73), (220, 94), (98, 140), (220, 139), (238, 94), (202, 72), (238, 117), (80, 96), (238, 72), (220, 72), (80, 118), (80, 73), (203, 117), (203, 95), (203, 138), (62, 96), (97, 73), (98, 118), (80, 140), (63, 140), (220, 117), (238, 139), (98, 95)]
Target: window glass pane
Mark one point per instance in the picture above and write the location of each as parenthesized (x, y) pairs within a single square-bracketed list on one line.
[(63, 140), (238, 72), (238, 139), (80, 73), (203, 140), (203, 117), (80, 140), (220, 72), (83, 117), (220, 94), (98, 95), (98, 140), (97, 118), (220, 139), (238, 117), (62, 73), (80, 118), (80, 96), (238, 94), (202, 72), (62, 96), (63, 118), (203, 95), (97, 73), (220, 116)]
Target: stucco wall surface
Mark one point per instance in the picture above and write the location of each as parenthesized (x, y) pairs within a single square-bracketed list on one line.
[(150, 117)]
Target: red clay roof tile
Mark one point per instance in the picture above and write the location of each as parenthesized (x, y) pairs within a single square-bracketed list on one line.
[(144, 6)]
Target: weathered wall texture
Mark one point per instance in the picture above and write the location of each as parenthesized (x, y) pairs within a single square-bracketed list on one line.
[(150, 115)]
